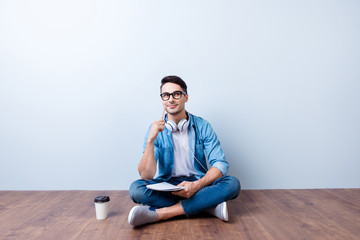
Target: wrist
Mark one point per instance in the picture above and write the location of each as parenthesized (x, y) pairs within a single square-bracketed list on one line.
[(198, 184), (150, 140)]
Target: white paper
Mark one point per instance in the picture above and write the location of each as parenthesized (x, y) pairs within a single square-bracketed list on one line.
[(164, 186)]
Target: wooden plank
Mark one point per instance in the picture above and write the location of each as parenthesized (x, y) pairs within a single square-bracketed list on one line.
[(301, 214), (23, 209), (244, 220), (307, 212), (71, 224), (338, 216), (32, 220)]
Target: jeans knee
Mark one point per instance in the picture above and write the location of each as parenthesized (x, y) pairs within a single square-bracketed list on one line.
[(135, 191), (235, 186)]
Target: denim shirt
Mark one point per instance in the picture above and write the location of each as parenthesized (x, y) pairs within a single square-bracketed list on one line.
[(203, 142)]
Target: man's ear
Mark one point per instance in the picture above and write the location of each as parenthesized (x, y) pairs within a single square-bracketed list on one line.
[(186, 97)]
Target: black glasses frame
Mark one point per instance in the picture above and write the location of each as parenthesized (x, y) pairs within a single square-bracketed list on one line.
[(166, 96)]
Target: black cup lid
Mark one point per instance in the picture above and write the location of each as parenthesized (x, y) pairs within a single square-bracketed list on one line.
[(102, 199)]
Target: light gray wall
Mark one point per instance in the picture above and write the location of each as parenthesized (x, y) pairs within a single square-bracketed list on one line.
[(278, 80)]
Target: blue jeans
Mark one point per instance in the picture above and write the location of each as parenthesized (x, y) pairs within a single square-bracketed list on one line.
[(223, 189)]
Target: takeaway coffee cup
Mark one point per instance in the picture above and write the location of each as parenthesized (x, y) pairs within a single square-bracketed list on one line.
[(102, 206)]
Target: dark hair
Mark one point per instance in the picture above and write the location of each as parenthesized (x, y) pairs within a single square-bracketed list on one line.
[(174, 79)]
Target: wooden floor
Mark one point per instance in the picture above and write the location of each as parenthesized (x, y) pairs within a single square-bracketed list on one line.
[(255, 214)]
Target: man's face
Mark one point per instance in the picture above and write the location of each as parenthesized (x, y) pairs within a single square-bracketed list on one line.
[(174, 106)]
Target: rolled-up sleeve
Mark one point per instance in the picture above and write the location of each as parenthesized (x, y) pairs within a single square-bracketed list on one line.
[(213, 150)]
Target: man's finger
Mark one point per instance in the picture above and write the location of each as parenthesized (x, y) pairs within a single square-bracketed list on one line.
[(182, 183)]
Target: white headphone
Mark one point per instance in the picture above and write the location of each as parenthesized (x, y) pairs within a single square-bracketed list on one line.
[(181, 126)]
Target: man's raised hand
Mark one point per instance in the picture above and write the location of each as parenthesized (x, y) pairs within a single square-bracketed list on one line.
[(156, 127)]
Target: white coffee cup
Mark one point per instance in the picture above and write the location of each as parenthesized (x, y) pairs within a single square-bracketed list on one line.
[(102, 206)]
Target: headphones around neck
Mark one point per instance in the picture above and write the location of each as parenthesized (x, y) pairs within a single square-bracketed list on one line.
[(181, 126)]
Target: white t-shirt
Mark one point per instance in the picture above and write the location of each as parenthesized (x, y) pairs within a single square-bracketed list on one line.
[(183, 165)]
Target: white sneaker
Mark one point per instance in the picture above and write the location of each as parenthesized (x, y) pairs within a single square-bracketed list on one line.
[(140, 215), (220, 211)]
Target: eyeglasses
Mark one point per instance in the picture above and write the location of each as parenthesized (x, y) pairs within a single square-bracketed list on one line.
[(176, 95)]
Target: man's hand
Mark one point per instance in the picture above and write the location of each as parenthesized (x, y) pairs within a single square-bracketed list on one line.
[(156, 127), (190, 188)]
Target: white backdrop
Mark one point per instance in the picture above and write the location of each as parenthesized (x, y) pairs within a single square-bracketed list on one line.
[(278, 80)]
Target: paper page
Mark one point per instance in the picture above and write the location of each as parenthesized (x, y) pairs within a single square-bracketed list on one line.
[(164, 186)]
